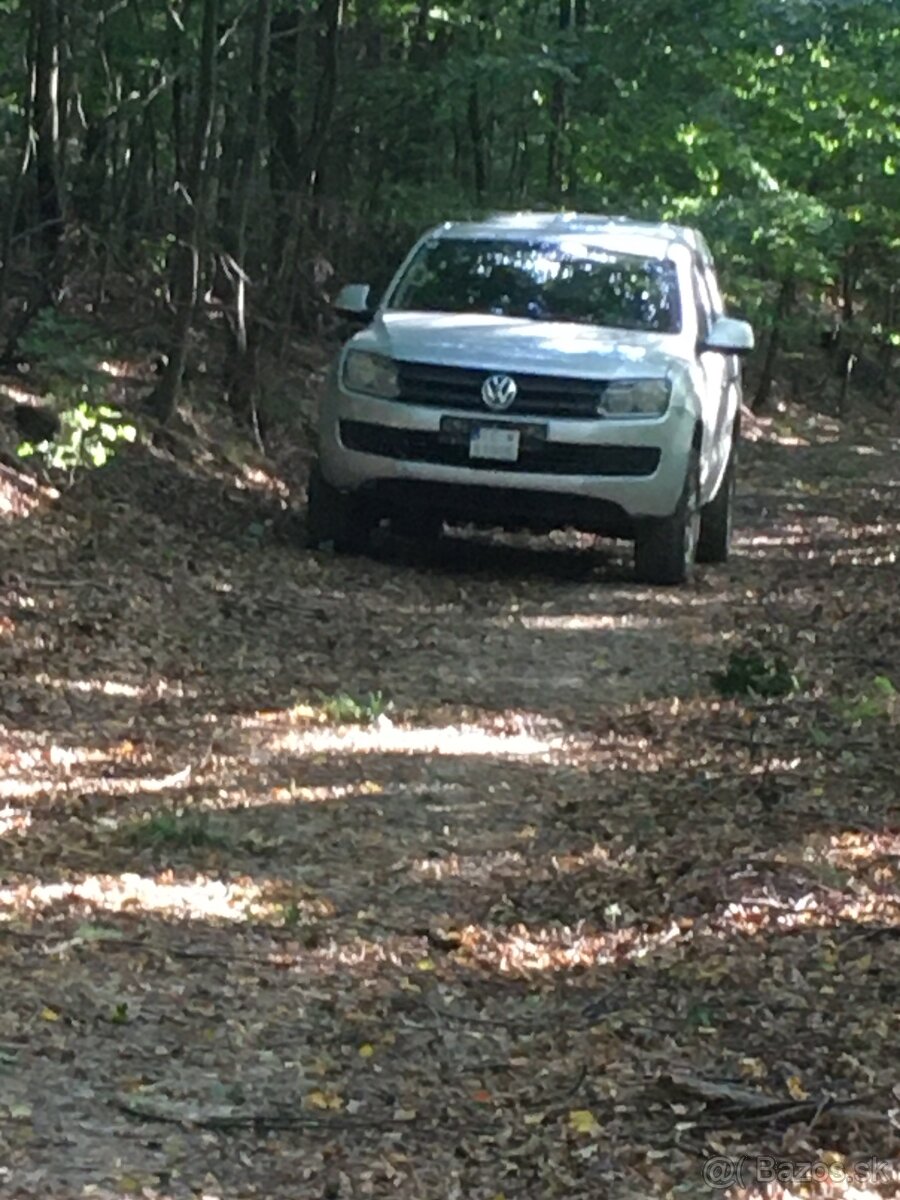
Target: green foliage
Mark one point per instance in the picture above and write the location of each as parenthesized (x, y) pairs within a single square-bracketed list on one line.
[(89, 435), (772, 124), (62, 346), (879, 699), (701, 1016), (752, 672), (87, 932), (66, 351), (345, 709), (180, 829)]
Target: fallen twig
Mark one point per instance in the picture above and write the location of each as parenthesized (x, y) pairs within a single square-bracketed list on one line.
[(294, 1120), (477, 1019), (741, 1103)]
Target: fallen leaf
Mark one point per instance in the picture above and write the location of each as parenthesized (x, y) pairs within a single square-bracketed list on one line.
[(754, 1068), (796, 1088), (582, 1120), (323, 1100)]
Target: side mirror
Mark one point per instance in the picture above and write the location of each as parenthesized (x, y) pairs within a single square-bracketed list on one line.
[(729, 336), (353, 301)]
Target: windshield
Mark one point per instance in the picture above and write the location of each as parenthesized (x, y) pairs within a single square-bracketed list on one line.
[(541, 281)]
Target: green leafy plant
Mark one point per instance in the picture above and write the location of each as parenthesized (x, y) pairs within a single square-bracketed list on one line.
[(65, 352), (754, 673), (701, 1016), (89, 436), (181, 830), (880, 699), (63, 346), (345, 709), (119, 1014)]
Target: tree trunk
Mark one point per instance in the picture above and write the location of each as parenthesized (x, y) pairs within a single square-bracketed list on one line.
[(46, 120), (555, 142), (241, 373), (309, 183), (191, 202), (476, 138), (284, 142), (43, 130), (767, 375), (889, 320), (25, 153), (331, 13)]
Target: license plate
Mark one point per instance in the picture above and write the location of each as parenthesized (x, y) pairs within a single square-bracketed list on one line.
[(502, 445)]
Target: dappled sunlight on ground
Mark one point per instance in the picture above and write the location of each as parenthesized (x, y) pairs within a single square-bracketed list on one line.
[(520, 951), (858, 850), (394, 739), (262, 480), (473, 868), (29, 785), (523, 950), (823, 911), (114, 687), (874, 557), (318, 862), (784, 536), (199, 899), (589, 621), (14, 820), (21, 497)]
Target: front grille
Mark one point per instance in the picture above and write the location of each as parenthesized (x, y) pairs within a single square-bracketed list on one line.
[(541, 457), (460, 387)]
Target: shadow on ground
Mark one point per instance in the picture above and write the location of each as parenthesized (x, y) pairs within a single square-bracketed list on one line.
[(494, 933)]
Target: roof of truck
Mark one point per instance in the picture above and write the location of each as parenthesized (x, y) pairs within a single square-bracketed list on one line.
[(527, 225)]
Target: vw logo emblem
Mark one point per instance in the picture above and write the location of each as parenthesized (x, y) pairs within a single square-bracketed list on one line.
[(498, 392)]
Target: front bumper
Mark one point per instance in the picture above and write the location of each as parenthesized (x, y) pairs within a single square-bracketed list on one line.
[(634, 467)]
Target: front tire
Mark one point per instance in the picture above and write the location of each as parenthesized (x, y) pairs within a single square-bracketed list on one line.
[(665, 547), (714, 544), (334, 517)]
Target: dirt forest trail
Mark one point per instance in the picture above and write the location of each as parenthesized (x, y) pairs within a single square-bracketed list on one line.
[(449, 872)]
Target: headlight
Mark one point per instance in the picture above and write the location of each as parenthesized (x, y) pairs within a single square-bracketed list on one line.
[(370, 373), (634, 398)]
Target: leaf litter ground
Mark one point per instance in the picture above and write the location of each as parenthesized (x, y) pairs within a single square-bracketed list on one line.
[(448, 872)]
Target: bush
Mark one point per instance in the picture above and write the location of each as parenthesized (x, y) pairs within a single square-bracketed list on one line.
[(753, 673)]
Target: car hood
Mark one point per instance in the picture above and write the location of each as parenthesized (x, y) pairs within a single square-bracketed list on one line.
[(515, 344)]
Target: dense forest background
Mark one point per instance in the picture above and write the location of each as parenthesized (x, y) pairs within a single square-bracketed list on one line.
[(221, 165), (469, 868)]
